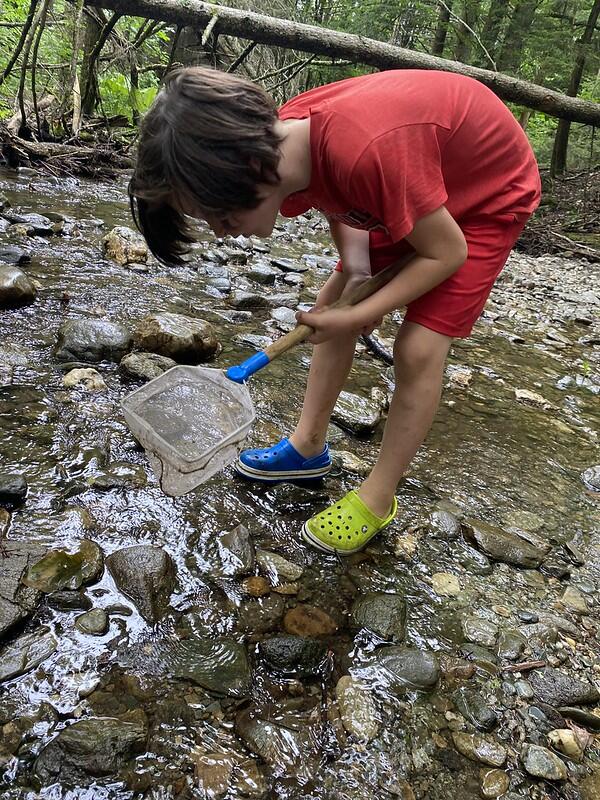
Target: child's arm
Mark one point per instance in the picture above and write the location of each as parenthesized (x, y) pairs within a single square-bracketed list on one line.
[(353, 247), (440, 249)]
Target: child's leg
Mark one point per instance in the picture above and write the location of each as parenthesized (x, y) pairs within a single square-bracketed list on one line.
[(329, 367), (419, 358)]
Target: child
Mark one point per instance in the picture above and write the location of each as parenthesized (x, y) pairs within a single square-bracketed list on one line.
[(415, 162)]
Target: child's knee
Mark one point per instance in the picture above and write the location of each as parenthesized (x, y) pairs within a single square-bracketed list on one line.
[(419, 352)]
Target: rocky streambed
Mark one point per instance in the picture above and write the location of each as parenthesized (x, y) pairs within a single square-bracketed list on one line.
[(194, 647)]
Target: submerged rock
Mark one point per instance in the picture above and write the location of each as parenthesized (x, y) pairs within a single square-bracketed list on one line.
[(184, 339), (25, 653), (404, 668), (92, 340), (543, 763), (91, 748), (475, 709), (290, 744), (13, 255), (383, 614), (591, 478), (16, 289), (36, 223), (94, 622), (306, 620), (235, 553), (145, 366), (90, 379), (125, 246), (559, 689), (59, 569), (357, 708), (494, 783), (506, 546), (359, 415), (293, 654), (480, 748), (13, 489), (17, 601), (146, 574), (277, 567)]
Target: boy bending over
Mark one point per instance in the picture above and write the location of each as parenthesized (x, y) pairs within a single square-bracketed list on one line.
[(415, 162)]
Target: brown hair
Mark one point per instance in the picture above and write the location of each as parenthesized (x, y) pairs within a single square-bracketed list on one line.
[(208, 140)]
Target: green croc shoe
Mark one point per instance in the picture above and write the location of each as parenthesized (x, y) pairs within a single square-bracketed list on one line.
[(345, 527)]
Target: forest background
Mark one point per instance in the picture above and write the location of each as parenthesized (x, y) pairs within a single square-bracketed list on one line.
[(79, 73)]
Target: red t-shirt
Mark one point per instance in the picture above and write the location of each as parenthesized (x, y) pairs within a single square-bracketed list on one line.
[(390, 148)]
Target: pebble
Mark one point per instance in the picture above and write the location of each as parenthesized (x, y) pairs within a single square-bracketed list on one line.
[(494, 782), (357, 708), (94, 622), (480, 748), (90, 379), (565, 741), (306, 620), (480, 631), (445, 584), (573, 599), (543, 763), (256, 586)]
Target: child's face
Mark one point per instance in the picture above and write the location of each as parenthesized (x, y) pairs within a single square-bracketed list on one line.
[(258, 221)]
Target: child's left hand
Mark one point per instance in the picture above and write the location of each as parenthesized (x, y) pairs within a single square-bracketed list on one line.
[(331, 323)]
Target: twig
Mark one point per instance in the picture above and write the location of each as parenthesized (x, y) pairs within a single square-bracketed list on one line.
[(36, 46), (472, 32), (21, 42), (209, 28), (524, 666), (242, 56), (274, 72), (293, 75)]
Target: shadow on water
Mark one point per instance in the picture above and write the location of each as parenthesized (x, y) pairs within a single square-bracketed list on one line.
[(218, 718)]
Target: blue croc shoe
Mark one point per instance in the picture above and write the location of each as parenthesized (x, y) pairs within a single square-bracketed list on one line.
[(282, 462)]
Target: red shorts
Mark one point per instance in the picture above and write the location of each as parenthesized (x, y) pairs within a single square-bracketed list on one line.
[(453, 307)]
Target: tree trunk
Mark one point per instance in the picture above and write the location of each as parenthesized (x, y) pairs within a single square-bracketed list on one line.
[(311, 39), (520, 23), (89, 81), (558, 164), (464, 32), (490, 34), (441, 30)]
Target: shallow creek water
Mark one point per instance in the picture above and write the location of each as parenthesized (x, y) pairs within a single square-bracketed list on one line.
[(489, 456)]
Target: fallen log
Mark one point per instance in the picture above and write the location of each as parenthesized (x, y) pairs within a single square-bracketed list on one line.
[(359, 49)]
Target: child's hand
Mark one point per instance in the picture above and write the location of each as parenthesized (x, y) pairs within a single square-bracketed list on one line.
[(331, 323)]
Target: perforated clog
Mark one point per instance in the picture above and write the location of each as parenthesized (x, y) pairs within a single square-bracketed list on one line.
[(282, 462), (346, 526)]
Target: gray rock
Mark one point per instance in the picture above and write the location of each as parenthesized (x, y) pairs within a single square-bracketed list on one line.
[(253, 340), (119, 475), (17, 601), (145, 366), (13, 255), (69, 601), (92, 340), (404, 668), (146, 575), (94, 622), (591, 478), (13, 489), (218, 665), (584, 718), (479, 631), (184, 339), (16, 289), (359, 415), (263, 273), (125, 246), (559, 689), (471, 559), (507, 546), (91, 748), (511, 644), (293, 654), (40, 225), (248, 301), (285, 318), (278, 568), (357, 708), (543, 763), (235, 552), (59, 569), (291, 742), (475, 709), (383, 614), (261, 615), (290, 265), (444, 525), (480, 748), (26, 653)]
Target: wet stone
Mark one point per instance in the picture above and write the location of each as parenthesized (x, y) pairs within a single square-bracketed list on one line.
[(480, 748), (293, 654), (13, 255), (145, 366), (26, 652), (444, 525), (382, 614), (40, 225), (253, 340), (591, 478), (306, 620), (69, 601), (445, 584), (89, 379), (125, 246), (560, 689), (94, 622), (506, 546), (59, 569), (524, 689), (13, 489), (573, 599), (285, 318), (146, 575), (119, 475), (405, 668), (277, 567), (479, 631), (511, 644), (92, 340), (17, 601), (261, 615), (494, 783), (16, 289), (564, 741), (256, 586), (543, 763), (584, 718), (472, 560), (590, 787), (359, 415), (290, 265), (357, 708), (263, 273), (90, 748), (475, 709), (248, 301), (184, 339), (235, 553)]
